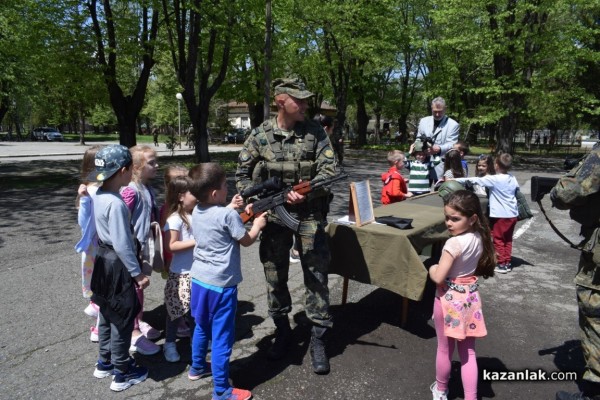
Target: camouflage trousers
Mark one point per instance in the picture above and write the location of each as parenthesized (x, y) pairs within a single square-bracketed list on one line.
[(588, 301), (275, 244)]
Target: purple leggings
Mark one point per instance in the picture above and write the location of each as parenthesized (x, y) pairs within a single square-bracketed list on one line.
[(443, 358)]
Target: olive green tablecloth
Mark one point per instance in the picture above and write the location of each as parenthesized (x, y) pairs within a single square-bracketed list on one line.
[(389, 257)]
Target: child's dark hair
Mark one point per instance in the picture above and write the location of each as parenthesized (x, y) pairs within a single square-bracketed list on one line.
[(462, 146), (489, 162), (453, 163), (177, 186), (206, 177), (88, 165), (171, 172), (504, 161), (467, 203)]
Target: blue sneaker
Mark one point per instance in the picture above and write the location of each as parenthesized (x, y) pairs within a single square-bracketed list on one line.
[(133, 376), (199, 373), (103, 370)]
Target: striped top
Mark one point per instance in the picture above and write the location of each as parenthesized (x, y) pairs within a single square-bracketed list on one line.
[(419, 176)]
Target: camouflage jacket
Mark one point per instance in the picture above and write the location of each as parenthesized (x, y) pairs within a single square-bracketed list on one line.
[(579, 191), (307, 142)]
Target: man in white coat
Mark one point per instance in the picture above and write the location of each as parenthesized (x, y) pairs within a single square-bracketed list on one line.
[(442, 129)]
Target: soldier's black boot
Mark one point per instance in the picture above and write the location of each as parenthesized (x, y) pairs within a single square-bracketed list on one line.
[(318, 354), (283, 338)]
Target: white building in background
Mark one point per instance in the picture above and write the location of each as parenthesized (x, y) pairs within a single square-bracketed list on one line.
[(238, 115)]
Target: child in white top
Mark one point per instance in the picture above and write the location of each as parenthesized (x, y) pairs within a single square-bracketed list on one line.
[(503, 208), (466, 255), (180, 242), (485, 166)]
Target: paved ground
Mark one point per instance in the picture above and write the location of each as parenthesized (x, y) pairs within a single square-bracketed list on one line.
[(44, 335)]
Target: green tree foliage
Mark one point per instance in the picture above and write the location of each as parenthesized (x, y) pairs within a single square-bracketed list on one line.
[(199, 38), (125, 34)]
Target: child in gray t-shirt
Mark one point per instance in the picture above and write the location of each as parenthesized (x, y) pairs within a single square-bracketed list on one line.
[(216, 272)]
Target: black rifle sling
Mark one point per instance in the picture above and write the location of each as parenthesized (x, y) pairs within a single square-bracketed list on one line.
[(555, 229)]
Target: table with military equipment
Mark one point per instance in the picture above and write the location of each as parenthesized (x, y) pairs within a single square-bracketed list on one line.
[(388, 257)]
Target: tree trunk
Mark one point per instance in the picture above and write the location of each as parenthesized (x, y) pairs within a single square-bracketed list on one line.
[(267, 62), (362, 120), (126, 108)]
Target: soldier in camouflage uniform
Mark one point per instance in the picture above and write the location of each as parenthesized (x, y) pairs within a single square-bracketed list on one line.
[(294, 149), (579, 192)]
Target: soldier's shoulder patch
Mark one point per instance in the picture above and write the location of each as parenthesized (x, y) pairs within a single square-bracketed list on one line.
[(329, 153), (263, 142), (244, 155)]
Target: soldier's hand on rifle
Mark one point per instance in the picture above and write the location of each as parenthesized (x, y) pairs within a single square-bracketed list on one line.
[(295, 197), (433, 150)]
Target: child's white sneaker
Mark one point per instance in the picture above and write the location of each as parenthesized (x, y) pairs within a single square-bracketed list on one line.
[(438, 394), (170, 351)]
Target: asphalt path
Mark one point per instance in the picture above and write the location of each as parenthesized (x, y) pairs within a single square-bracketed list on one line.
[(45, 350)]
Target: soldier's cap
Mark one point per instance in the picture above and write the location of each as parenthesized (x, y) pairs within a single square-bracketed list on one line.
[(109, 160), (293, 87)]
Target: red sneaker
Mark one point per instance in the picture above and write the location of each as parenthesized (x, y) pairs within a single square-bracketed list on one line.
[(234, 394)]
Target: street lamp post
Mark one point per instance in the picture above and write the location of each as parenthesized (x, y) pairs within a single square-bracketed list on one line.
[(179, 97)]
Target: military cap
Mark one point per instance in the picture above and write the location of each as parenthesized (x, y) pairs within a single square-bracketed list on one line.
[(109, 160), (418, 145), (449, 187), (293, 87)]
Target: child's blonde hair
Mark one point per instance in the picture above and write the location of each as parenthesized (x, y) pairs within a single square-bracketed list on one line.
[(394, 156), (139, 161)]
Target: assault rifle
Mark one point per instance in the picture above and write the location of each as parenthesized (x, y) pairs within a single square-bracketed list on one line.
[(272, 195), (539, 187)]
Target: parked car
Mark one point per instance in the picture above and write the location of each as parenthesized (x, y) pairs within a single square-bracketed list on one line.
[(47, 134), (236, 136)]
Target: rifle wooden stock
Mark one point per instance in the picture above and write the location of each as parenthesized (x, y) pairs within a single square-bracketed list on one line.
[(246, 217), (302, 188)]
